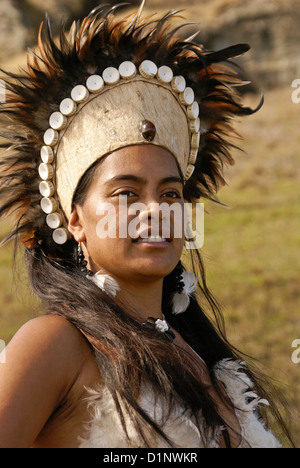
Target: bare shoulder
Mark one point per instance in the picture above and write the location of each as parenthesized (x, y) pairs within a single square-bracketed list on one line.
[(43, 361), (46, 349), (50, 324), (53, 336), (49, 327)]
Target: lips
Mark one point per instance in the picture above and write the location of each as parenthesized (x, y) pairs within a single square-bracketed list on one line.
[(145, 236), (152, 239)]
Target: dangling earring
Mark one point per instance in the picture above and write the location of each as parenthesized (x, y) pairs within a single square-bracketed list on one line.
[(103, 281), (186, 283), (179, 278), (82, 263)]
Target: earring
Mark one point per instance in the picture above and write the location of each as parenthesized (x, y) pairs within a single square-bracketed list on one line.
[(179, 278), (104, 282), (186, 283), (82, 263)]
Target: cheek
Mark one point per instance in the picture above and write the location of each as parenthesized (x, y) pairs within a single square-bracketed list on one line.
[(105, 242), (178, 245), (98, 219), (110, 254)]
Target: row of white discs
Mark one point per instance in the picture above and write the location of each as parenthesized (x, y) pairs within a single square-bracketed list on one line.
[(68, 107)]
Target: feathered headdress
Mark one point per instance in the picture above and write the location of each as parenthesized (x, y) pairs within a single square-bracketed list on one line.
[(74, 72)]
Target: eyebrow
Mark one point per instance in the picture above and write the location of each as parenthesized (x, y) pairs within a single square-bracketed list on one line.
[(141, 180)]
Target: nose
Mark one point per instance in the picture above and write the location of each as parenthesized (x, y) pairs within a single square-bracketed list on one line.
[(152, 212), (153, 220)]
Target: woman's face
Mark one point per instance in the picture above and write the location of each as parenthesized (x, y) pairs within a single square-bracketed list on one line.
[(121, 207)]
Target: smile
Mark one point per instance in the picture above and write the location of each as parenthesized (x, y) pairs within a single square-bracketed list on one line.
[(152, 239)]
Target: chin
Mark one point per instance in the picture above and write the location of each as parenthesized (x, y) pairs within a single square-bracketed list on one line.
[(155, 269)]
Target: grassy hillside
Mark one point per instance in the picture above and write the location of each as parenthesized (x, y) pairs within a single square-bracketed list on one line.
[(252, 248)]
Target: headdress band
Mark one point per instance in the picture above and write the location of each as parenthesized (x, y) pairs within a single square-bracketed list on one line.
[(139, 117)]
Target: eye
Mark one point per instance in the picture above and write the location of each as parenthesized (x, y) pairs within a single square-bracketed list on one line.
[(171, 194), (126, 193)]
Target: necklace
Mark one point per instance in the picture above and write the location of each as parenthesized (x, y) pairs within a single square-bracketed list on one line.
[(161, 326)]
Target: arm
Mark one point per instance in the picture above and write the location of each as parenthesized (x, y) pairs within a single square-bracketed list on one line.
[(42, 363)]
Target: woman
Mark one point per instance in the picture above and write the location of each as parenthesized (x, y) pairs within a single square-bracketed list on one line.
[(106, 129)]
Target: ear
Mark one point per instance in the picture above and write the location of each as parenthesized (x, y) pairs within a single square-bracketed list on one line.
[(75, 225)]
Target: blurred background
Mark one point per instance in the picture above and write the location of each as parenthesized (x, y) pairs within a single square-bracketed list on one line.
[(251, 247)]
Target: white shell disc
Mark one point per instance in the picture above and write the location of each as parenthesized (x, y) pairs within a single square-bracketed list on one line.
[(95, 83), (187, 97), (50, 137), (165, 74), (193, 110), (195, 140), (46, 171), (195, 125), (148, 69), (189, 171), (46, 188), (68, 107), (111, 75), (47, 154), (178, 84), (79, 93), (60, 236), (54, 220), (193, 156), (127, 70), (48, 205), (57, 121)]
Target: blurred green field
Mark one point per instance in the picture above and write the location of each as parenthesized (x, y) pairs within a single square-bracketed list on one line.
[(251, 249)]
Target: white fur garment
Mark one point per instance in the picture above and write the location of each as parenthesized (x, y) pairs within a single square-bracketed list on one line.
[(106, 429)]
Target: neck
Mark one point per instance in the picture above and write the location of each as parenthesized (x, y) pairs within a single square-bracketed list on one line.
[(141, 300)]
